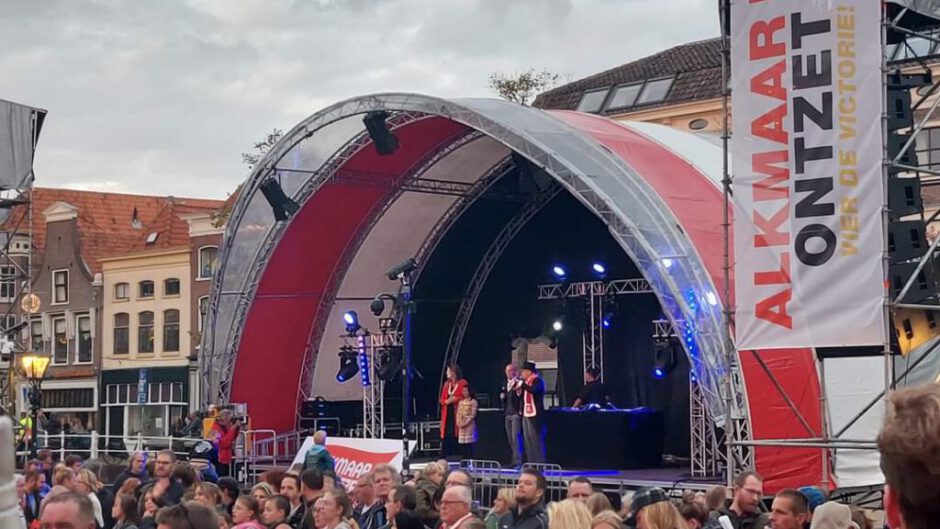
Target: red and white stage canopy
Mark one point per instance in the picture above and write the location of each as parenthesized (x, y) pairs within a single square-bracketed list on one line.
[(272, 333)]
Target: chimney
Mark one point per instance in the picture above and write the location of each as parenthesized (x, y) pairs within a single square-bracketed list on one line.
[(135, 220)]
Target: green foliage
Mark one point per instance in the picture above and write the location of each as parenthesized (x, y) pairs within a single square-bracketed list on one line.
[(522, 87)]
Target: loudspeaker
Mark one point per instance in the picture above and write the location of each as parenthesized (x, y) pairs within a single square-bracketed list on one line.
[(282, 206), (385, 142)]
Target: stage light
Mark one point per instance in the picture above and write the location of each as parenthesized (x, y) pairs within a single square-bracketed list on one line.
[(364, 369), (558, 325), (282, 206), (658, 373), (385, 142), (605, 321), (402, 269), (667, 262), (390, 363), (711, 298), (610, 312), (351, 319), (559, 271), (600, 271), (377, 306), (665, 357), (347, 364)]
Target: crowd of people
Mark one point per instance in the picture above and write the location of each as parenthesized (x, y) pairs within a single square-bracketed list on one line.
[(164, 493)]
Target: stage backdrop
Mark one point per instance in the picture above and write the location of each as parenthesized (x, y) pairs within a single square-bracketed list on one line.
[(807, 186)]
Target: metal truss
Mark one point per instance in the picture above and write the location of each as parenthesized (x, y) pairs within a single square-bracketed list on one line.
[(482, 272), (373, 394), (22, 280)]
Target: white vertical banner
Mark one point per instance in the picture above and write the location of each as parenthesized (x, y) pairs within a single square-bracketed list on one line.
[(808, 188)]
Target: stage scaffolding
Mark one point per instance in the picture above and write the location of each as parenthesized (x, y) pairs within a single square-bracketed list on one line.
[(917, 27)]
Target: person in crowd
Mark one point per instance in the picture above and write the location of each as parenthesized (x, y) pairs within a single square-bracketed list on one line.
[(64, 477), (458, 476), (318, 457), (626, 502), (909, 444), (696, 517), (261, 492), (568, 514), (504, 502), (86, 483), (311, 489), (402, 498), (200, 458), (32, 498), (816, 497), (74, 462), (231, 490), (185, 475), (209, 495), (607, 520), (467, 422), (19, 480), (533, 411), (474, 523), (595, 392), (38, 466), (148, 512), (580, 489), (790, 510), (455, 507), (661, 515), (530, 510), (385, 478), (245, 513), (832, 515), (744, 509), (125, 513), (408, 520), (332, 510), (70, 510), (104, 494), (222, 435), (273, 478), (643, 498), (716, 497), (290, 489), (511, 397), (276, 509), (371, 510), (48, 463), (429, 481), (164, 485), (136, 468), (861, 519), (451, 394), (189, 515), (598, 503)]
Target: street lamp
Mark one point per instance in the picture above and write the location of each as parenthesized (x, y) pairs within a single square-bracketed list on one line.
[(34, 370)]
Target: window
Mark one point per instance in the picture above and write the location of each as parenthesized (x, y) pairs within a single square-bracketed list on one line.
[(171, 330), (171, 287), (35, 336), (654, 91), (928, 148), (122, 332), (145, 332), (146, 289), (60, 286), (122, 291), (593, 101), (83, 341), (208, 258), (698, 124), (203, 311), (7, 283), (60, 341), (625, 96)]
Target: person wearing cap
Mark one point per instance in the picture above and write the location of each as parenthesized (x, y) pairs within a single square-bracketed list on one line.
[(643, 498), (533, 410), (790, 510), (832, 515), (530, 510), (816, 497)]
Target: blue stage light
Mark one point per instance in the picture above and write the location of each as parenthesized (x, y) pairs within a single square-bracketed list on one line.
[(658, 373), (351, 318), (605, 322), (559, 271), (599, 269)]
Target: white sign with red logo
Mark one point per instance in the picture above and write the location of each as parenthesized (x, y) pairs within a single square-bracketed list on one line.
[(354, 457), (808, 187)]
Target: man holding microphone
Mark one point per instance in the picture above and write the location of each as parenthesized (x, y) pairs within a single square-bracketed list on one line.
[(511, 395)]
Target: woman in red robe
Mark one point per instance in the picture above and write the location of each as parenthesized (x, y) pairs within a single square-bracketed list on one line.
[(451, 394)]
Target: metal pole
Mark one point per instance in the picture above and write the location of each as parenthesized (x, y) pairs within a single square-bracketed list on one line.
[(824, 423), (885, 213), (730, 430), (408, 306), (36, 399)]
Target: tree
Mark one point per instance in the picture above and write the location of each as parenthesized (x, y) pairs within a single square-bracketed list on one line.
[(261, 148), (522, 87)]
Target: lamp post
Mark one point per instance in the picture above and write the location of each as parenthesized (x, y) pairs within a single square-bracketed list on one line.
[(34, 370)]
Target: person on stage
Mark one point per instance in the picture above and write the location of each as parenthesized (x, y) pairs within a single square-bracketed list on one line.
[(511, 395), (595, 392), (533, 411), (451, 394)]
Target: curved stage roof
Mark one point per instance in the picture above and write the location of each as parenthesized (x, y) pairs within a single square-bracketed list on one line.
[(274, 304)]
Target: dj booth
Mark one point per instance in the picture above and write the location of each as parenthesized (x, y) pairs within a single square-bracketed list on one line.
[(584, 439)]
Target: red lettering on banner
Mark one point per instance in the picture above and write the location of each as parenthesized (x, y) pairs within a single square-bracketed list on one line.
[(770, 125), (770, 188), (774, 309), (768, 233), (770, 82), (777, 277), (762, 45), (351, 463)]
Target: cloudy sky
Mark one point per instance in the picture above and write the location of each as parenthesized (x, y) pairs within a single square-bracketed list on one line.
[(163, 96)]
